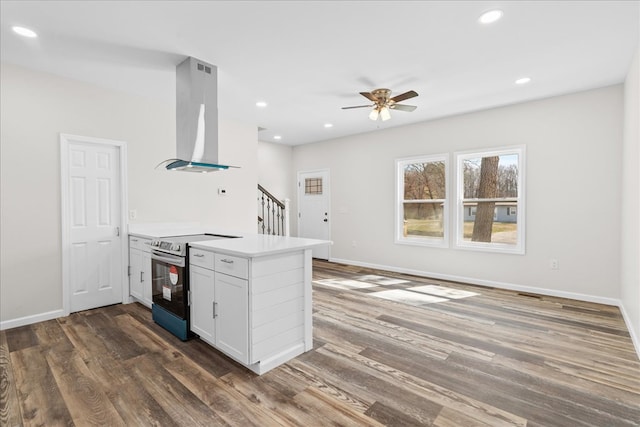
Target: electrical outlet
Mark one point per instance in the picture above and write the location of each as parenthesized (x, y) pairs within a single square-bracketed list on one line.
[(222, 191), (553, 264), (133, 214)]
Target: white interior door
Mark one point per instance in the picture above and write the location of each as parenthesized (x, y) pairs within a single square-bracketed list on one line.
[(94, 223), (314, 209)]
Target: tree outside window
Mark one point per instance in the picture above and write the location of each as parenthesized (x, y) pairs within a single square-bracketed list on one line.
[(491, 200), (422, 201)]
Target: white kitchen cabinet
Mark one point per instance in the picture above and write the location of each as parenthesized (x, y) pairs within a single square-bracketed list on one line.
[(232, 316), (255, 309), (201, 281), (219, 305), (140, 286)]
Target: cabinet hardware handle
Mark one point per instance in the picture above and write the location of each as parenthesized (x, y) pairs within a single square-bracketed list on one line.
[(198, 255), (134, 240), (215, 304), (142, 276), (227, 261)]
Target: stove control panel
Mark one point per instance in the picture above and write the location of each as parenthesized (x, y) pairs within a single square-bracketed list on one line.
[(169, 246)]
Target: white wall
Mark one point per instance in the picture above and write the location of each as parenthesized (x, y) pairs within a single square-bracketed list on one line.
[(36, 107), (573, 199), (275, 169), (630, 265)]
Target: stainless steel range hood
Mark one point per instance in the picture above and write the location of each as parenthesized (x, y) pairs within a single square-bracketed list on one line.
[(197, 145)]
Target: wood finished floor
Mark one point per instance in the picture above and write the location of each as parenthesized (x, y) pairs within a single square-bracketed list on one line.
[(494, 359)]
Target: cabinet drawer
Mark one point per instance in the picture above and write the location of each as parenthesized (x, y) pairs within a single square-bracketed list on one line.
[(141, 243), (232, 265), (201, 258)]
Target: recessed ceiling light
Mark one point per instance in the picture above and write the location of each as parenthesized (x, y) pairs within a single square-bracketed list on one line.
[(328, 125), (490, 16), (523, 80), (24, 32), (277, 137), (261, 104)]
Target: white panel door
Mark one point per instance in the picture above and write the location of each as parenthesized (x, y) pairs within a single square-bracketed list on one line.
[(313, 209), (95, 253)]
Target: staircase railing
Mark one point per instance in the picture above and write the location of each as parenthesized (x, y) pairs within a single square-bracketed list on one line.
[(273, 214)]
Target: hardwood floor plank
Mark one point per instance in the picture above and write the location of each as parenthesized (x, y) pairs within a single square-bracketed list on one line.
[(459, 402), (120, 346), (501, 392), (177, 401), (287, 409), (389, 416), (41, 401), (9, 408), (451, 418), (225, 400), (21, 338), (353, 378), (470, 341), (83, 394), (318, 402), (133, 402), (596, 409)]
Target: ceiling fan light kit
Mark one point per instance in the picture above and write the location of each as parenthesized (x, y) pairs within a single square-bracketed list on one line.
[(383, 103)]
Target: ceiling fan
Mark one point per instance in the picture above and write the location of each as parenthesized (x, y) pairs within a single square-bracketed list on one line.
[(383, 104)]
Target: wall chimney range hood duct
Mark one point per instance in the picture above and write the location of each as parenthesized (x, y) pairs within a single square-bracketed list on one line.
[(197, 146)]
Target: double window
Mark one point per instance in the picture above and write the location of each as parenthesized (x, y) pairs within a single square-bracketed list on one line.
[(489, 200)]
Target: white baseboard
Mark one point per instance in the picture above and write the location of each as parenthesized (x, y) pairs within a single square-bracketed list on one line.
[(28, 320), (487, 283), (632, 331)]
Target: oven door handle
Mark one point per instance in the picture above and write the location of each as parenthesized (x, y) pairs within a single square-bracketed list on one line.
[(175, 260)]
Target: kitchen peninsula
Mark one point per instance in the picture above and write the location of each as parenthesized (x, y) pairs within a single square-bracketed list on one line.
[(249, 297)]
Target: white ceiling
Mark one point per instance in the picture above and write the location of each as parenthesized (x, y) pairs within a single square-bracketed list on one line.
[(309, 58)]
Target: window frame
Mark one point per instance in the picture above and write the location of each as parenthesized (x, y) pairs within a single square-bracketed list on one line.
[(460, 243), (439, 242)]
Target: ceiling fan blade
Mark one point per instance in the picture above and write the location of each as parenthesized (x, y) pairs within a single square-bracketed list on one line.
[(403, 96), (357, 106), (369, 96), (402, 107)]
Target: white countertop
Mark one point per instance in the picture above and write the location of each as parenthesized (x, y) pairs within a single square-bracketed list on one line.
[(258, 245), (247, 245)]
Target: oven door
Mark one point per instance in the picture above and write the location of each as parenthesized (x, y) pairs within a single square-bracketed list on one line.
[(168, 275)]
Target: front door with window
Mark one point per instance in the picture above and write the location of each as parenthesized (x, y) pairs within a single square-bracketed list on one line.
[(313, 209)]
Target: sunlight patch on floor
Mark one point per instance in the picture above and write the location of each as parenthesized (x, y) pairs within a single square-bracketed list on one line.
[(345, 283), (407, 297), (381, 280), (443, 291)]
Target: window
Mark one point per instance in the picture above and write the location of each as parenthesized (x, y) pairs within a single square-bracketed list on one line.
[(313, 186), (490, 200), (422, 209)]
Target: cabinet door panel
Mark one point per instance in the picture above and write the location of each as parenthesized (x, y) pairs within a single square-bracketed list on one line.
[(202, 288), (135, 266), (147, 285), (232, 316)]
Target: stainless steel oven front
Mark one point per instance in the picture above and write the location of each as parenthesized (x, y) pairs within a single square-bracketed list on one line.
[(168, 278), (170, 292)]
